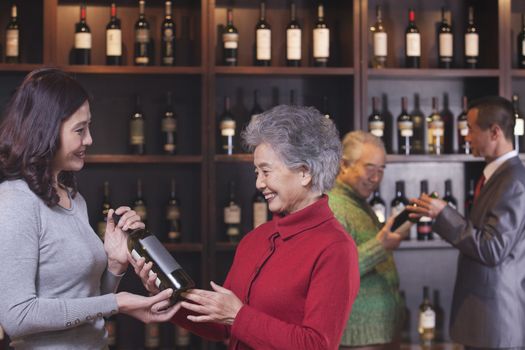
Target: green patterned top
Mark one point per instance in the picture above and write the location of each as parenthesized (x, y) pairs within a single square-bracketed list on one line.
[(377, 312)]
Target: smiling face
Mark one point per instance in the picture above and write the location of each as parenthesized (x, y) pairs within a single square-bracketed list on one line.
[(285, 190), (75, 137)]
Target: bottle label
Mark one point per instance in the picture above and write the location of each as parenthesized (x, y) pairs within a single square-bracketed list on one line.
[(523, 47), (260, 213), (293, 44), (182, 336), (264, 44), (173, 212), (230, 40), (111, 328), (463, 128), (413, 44), (142, 36), (141, 211), (142, 59), (380, 211), (161, 258), (446, 45), (136, 132), (232, 214), (437, 128), (380, 44), (377, 128), (167, 36), (12, 43), (227, 128), (152, 338), (427, 319), (472, 44), (82, 40), (169, 125), (406, 128), (233, 231), (519, 127), (321, 43), (174, 235), (114, 42)]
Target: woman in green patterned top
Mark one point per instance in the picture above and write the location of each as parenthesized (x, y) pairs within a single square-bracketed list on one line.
[(376, 316)]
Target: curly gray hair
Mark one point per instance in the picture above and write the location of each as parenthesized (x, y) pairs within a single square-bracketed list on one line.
[(302, 137)]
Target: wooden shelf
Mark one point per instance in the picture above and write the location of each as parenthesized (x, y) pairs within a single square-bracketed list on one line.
[(432, 73), (235, 158), (146, 159), (183, 70), (436, 243), (184, 247), (303, 71), (445, 158), (19, 67), (518, 73), (226, 246)]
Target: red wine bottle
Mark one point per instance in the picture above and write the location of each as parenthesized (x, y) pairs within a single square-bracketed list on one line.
[(293, 39), (263, 39), (82, 39), (412, 42), (167, 35), (445, 42), (113, 39)]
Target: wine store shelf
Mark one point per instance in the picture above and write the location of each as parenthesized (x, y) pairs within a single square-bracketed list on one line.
[(234, 158), (432, 73), (146, 159), (184, 247), (301, 71), (183, 70), (518, 73), (18, 67)]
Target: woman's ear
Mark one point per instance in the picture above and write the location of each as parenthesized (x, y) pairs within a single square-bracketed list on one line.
[(306, 177)]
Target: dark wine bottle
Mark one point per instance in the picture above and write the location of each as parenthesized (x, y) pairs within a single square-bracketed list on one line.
[(142, 55), (379, 40), (436, 130), (151, 336), (139, 204), (464, 144), (227, 128), (424, 225), (182, 338), (378, 206), (405, 329), (256, 109), (412, 42), (519, 124), (399, 202), (263, 39), (469, 200), (376, 122), (230, 41), (293, 102), (445, 42), (82, 45), (405, 127), (440, 318), (106, 205), (427, 319), (137, 140), (471, 41), (169, 127), (12, 37), (113, 39), (321, 36), (260, 209), (167, 35), (173, 215), (326, 110), (232, 216), (521, 43), (293, 39), (449, 197)]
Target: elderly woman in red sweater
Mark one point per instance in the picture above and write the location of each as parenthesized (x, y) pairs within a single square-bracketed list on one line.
[(293, 279)]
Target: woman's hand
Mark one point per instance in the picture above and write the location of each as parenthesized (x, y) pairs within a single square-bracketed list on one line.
[(147, 276), (116, 240), (220, 306), (147, 309)]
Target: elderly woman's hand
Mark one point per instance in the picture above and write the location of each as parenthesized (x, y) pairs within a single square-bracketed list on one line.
[(220, 306)]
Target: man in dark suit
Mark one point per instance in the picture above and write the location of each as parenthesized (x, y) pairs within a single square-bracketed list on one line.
[(488, 309)]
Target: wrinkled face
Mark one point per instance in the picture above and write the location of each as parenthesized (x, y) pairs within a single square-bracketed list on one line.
[(480, 140), (75, 137), (286, 190), (365, 174)]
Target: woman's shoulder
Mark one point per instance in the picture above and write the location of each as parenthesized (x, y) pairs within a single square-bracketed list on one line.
[(18, 189)]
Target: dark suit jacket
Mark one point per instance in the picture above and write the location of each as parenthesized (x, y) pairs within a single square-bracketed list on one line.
[(488, 308)]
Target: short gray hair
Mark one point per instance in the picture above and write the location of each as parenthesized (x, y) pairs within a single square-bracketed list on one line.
[(302, 137), (353, 144)]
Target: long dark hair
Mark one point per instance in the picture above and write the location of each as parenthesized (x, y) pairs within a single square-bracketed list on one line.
[(30, 130)]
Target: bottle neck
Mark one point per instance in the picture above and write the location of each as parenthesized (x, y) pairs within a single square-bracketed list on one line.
[(14, 12), (443, 16), (83, 13), (142, 6), (379, 15), (139, 189), (292, 12), (434, 105), (411, 17), (227, 104), (230, 17), (173, 189), (404, 105), (168, 10), (471, 16), (320, 13), (465, 104), (113, 12), (262, 11)]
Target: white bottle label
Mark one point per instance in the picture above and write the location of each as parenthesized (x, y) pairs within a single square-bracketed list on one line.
[(406, 128), (380, 211), (136, 256), (380, 44), (12, 43), (427, 319), (228, 128), (232, 214), (463, 128), (142, 36), (446, 44), (321, 43), (114, 42), (519, 127), (293, 44), (472, 44), (82, 40), (264, 44), (230, 40), (260, 213), (413, 44), (377, 128), (437, 127)]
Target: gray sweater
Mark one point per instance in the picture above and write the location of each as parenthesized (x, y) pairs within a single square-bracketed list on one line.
[(54, 283)]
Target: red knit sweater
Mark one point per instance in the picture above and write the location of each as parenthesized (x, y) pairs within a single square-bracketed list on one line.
[(298, 276)]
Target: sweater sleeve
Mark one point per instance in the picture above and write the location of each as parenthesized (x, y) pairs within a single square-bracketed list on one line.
[(332, 291), (109, 282), (22, 311)]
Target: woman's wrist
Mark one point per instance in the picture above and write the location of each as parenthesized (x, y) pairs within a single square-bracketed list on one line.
[(116, 267)]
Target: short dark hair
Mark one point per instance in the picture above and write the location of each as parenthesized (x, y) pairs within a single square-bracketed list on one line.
[(495, 110), (30, 130)]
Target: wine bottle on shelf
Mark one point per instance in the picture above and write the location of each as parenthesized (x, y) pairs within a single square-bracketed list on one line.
[(436, 130), (227, 127), (139, 204), (260, 209), (142, 38), (113, 39), (399, 202), (256, 109), (141, 243), (232, 216), (152, 336), (405, 329), (293, 39), (379, 41), (521, 43), (427, 319), (412, 42), (321, 35), (12, 37), (293, 101), (106, 205), (263, 38), (445, 42), (519, 124), (111, 329), (326, 110), (137, 140), (405, 126), (173, 215), (448, 121), (471, 41), (419, 138), (449, 197), (440, 318), (230, 41), (82, 44), (167, 35), (469, 200), (464, 144), (376, 122), (378, 206), (169, 127), (424, 224), (182, 338)]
